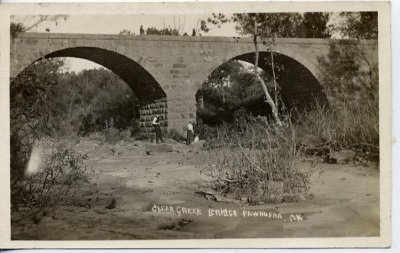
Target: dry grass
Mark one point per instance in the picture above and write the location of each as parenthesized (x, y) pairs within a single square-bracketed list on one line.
[(259, 162), (348, 125)]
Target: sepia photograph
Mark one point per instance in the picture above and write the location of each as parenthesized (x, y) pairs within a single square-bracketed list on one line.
[(215, 123)]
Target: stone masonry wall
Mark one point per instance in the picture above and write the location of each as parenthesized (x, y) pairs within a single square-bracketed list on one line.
[(149, 110)]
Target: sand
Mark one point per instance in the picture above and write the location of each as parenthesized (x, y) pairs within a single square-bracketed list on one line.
[(155, 198)]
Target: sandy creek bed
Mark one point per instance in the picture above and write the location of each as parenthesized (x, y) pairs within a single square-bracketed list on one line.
[(346, 203)]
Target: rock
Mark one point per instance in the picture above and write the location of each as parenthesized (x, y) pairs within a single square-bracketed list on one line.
[(344, 156), (112, 204), (197, 146)]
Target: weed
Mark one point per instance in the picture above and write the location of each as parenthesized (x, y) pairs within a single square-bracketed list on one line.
[(257, 161), (61, 177)]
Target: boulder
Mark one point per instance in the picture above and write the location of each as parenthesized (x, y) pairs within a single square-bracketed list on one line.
[(197, 146)]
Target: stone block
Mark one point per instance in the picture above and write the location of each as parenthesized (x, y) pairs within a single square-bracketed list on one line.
[(179, 65), (178, 71)]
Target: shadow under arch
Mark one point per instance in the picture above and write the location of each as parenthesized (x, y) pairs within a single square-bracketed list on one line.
[(143, 84), (299, 86)]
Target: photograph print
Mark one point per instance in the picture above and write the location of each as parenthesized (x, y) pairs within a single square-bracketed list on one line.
[(211, 125)]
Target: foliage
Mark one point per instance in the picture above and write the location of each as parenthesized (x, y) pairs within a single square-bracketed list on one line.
[(314, 25), (17, 27), (126, 32), (256, 159), (353, 116), (231, 86), (293, 25), (165, 31), (113, 135), (342, 75), (357, 25), (45, 101), (64, 172), (350, 125), (30, 95), (98, 99), (70, 103)]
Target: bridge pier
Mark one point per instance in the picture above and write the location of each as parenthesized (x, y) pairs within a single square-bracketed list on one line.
[(149, 109)]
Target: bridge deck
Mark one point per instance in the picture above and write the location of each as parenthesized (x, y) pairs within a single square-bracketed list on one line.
[(184, 38)]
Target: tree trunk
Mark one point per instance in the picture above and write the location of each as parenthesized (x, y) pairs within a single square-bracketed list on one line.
[(274, 78), (264, 86)]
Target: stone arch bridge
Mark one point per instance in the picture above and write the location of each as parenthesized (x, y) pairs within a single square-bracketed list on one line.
[(165, 72)]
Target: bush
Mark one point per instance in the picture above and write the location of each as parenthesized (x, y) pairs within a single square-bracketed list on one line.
[(352, 120), (113, 135), (61, 177), (245, 129), (345, 126), (256, 159)]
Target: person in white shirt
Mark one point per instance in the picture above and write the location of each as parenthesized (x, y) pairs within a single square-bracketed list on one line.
[(157, 129), (190, 133)]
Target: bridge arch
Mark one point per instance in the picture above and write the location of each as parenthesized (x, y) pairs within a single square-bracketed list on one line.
[(138, 78), (299, 79), (153, 99)]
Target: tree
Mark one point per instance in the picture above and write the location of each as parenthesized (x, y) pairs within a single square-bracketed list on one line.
[(126, 32), (165, 31), (231, 86), (283, 25), (314, 25), (17, 27), (31, 111), (268, 27), (357, 25)]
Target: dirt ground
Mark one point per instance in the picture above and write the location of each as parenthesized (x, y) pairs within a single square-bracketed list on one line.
[(155, 198)]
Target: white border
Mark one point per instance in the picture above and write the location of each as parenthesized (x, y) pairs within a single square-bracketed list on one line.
[(91, 8)]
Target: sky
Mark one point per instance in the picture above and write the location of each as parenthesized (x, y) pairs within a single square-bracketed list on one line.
[(113, 24)]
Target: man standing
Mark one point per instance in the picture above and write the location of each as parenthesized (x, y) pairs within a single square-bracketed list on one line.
[(157, 128), (190, 134)]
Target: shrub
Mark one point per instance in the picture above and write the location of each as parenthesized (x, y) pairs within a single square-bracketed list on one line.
[(139, 136), (61, 177), (245, 129), (352, 120), (113, 135), (344, 126), (97, 136), (256, 159)]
